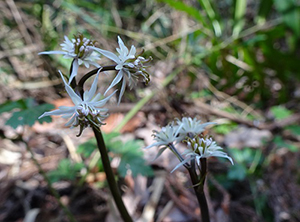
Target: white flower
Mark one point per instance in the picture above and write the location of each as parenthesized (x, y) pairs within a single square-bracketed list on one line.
[(202, 148), (166, 136), (81, 50), (128, 66), (192, 126), (85, 112)]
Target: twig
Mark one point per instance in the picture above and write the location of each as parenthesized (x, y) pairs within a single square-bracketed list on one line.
[(165, 211), (20, 51), (149, 209), (205, 108)]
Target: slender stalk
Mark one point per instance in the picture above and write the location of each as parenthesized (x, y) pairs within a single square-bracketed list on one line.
[(198, 185), (110, 176), (91, 73), (178, 155)]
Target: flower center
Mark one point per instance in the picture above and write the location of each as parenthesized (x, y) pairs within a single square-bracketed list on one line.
[(82, 46)]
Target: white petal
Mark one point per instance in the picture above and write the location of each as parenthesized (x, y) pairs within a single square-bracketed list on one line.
[(75, 98), (122, 90), (103, 101), (75, 66), (181, 164), (93, 89), (155, 144), (123, 48), (53, 52), (132, 52), (95, 64), (108, 54), (56, 112), (115, 81), (71, 121), (96, 98)]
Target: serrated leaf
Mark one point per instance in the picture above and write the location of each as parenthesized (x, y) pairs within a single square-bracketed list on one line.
[(10, 105), (87, 148), (28, 115), (66, 170), (130, 154), (132, 159)]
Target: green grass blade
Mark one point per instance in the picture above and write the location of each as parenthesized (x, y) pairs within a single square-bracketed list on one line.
[(212, 16), (239, 15), (191, 11), (265, 7)]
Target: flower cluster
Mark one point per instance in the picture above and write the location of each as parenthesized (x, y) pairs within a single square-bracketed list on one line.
[(188, 130), (204, 148), (166, 136), (88, 108), (87, 111), (81, 50), (191, 127), (130, 67)]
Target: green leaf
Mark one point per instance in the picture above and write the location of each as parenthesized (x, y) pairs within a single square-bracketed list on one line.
[(181, 6), (131, 157), (291, 14), (87, 148), (66, 170), (265, 7), (295, 129), (225, 128), (237, 172), (10, 105), (28, 114), (239, 16), (243, 156), (282, 143), (280, 112), (206, 4), (130, 154)]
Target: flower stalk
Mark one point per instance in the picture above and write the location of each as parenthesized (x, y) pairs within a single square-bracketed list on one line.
[(198, 149), (88, 109), (110, 176), (198, 185)]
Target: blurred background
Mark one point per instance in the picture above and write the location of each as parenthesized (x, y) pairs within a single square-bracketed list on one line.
[(234, 62)]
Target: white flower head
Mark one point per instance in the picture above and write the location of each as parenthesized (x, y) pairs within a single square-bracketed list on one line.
[(87, 111), (204, 148), (192, 126), (81, 50), (166, 136), (129, 66)]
